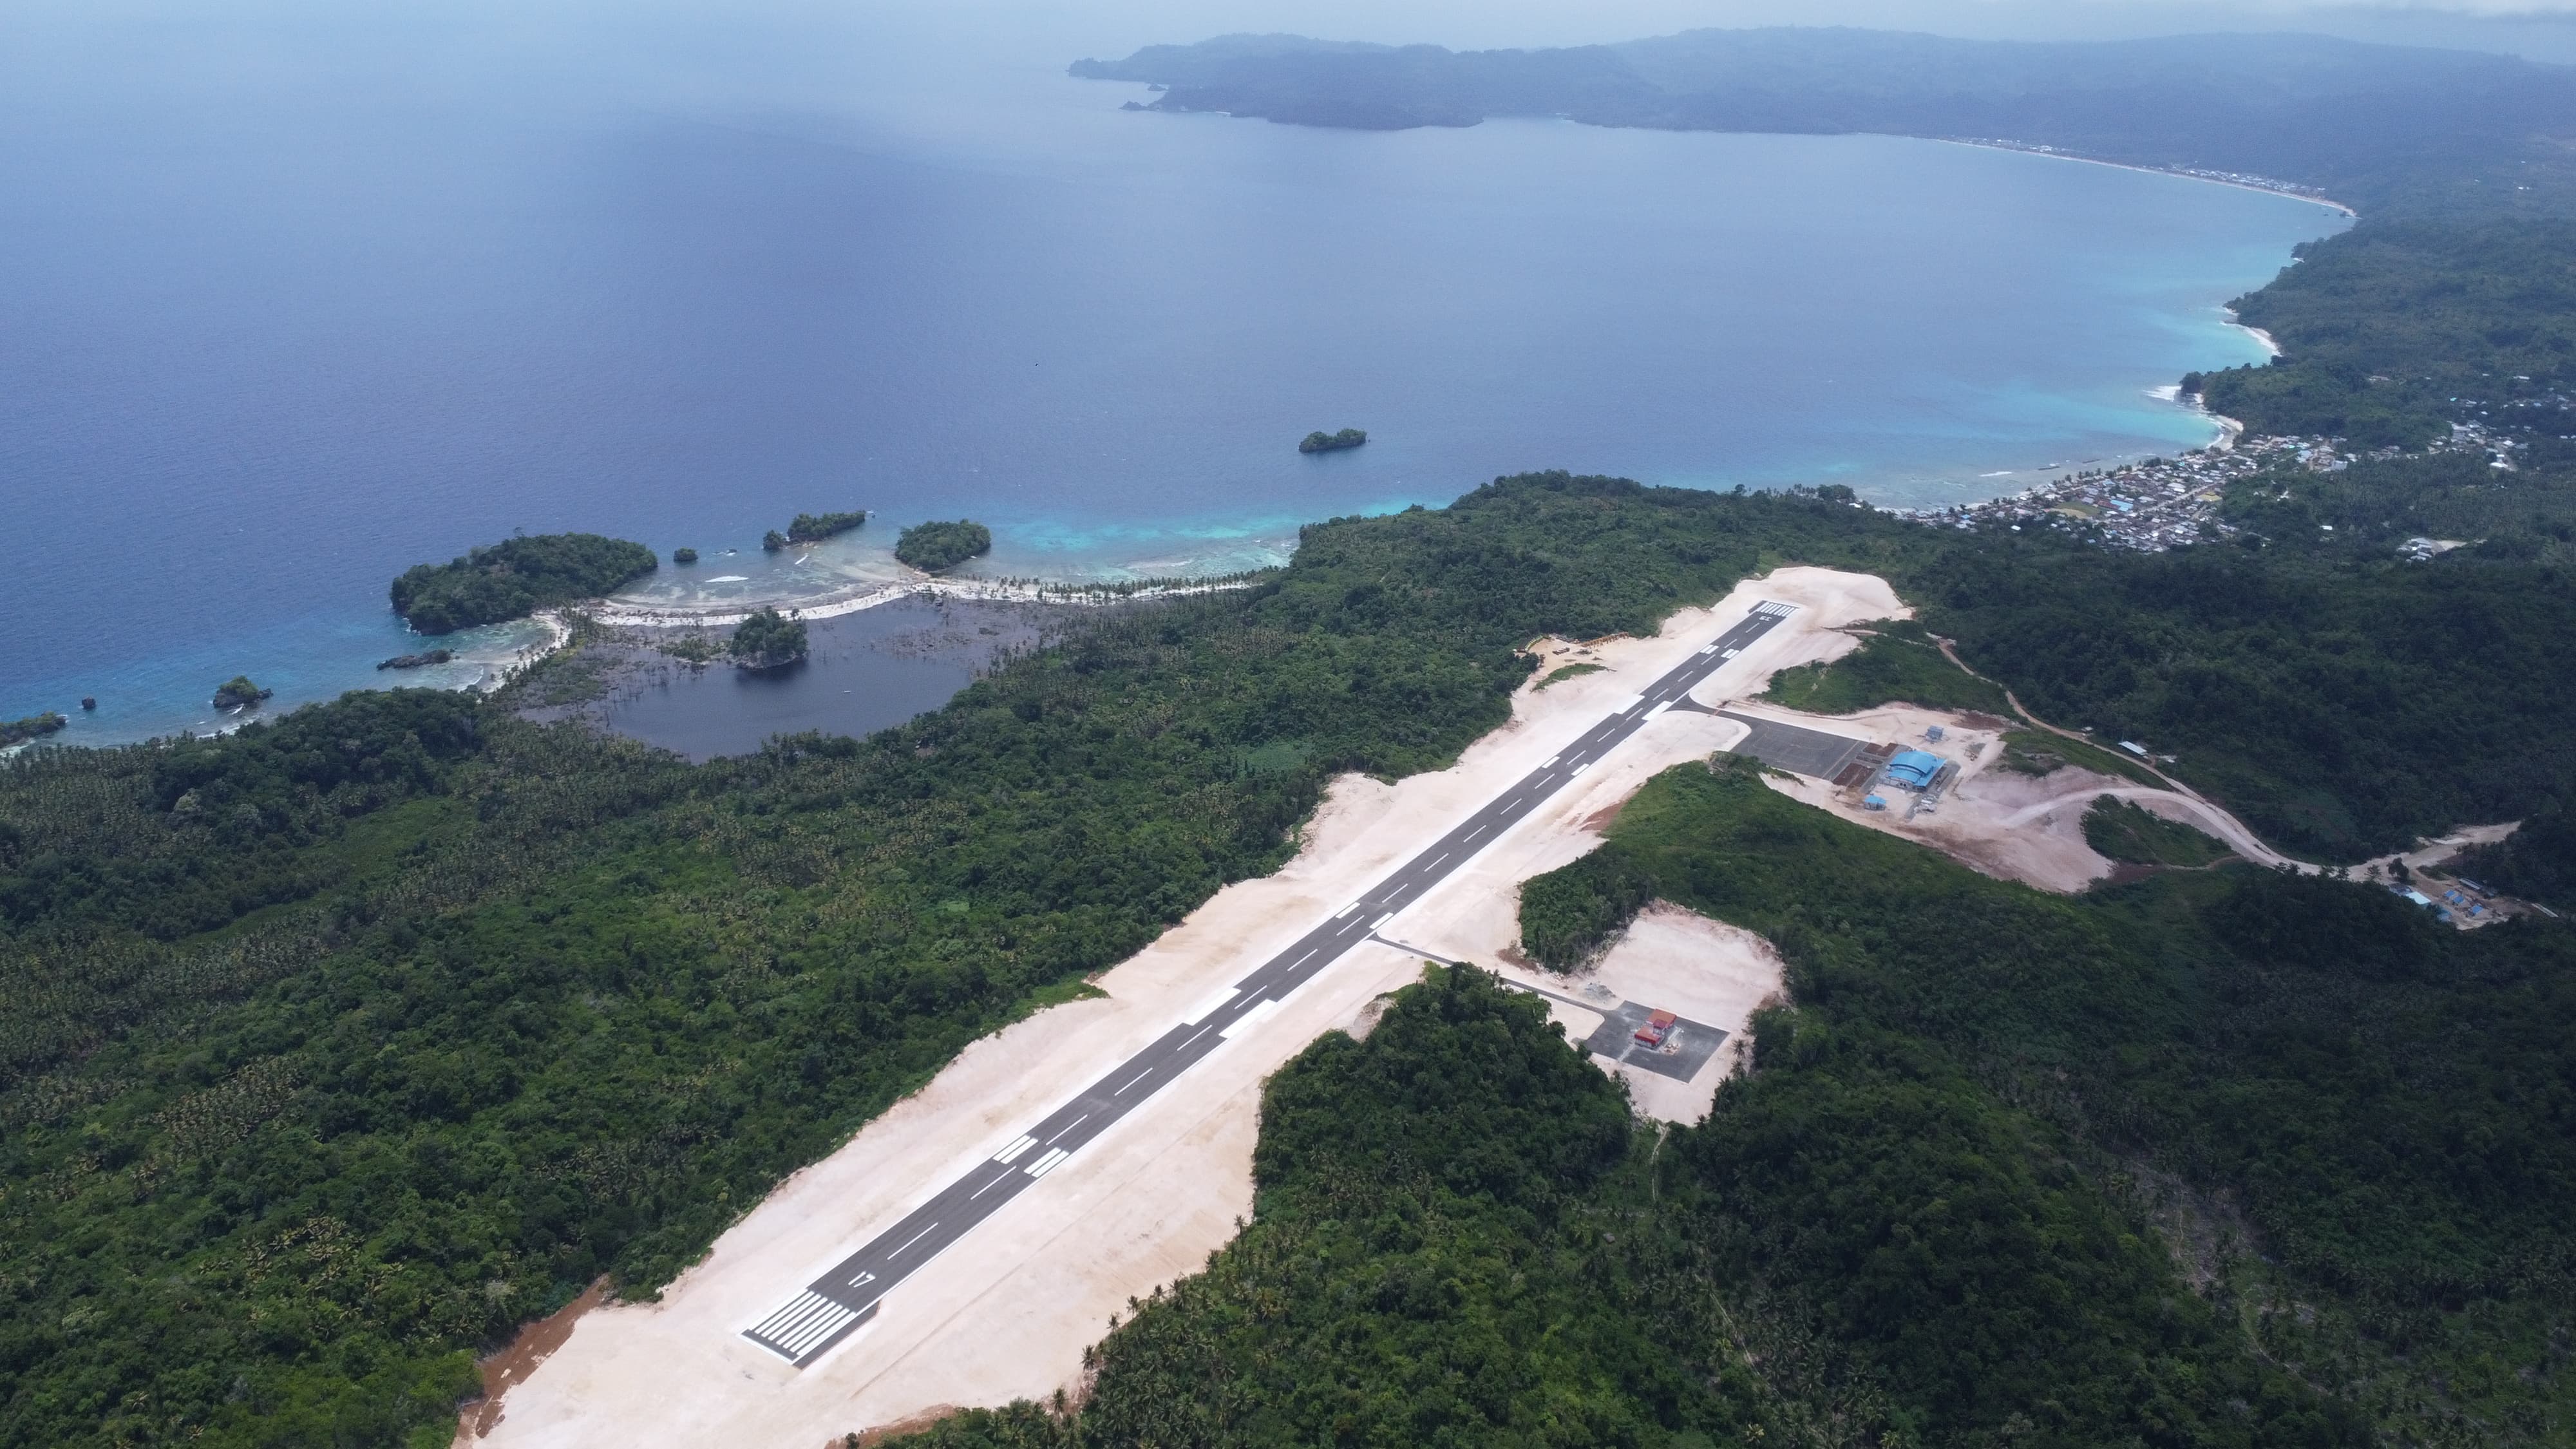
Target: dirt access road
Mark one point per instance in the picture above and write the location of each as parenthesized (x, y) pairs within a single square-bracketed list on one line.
[(1014, 1305)]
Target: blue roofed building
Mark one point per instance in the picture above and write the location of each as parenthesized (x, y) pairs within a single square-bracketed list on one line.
[(1913, 769)]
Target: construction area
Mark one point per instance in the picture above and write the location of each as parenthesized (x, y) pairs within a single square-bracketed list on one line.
[(1009, 1314)]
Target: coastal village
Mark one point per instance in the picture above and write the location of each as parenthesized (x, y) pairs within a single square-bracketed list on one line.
[(2161, 503)]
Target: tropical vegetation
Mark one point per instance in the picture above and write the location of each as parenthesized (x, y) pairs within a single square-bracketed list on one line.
[(341, 1045), (516, 577), (768, 639), (2123, 831), (2011, 1170), (1323, 442), (934, 547), (239, 693), (1895, 661), (815, 527), (33, 727)]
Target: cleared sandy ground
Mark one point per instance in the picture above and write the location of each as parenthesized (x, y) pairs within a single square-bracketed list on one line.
[(2013, 826), (1007, 1312), (1669, 958)]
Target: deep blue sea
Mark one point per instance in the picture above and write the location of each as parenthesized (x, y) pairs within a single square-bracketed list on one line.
[(292, 304)]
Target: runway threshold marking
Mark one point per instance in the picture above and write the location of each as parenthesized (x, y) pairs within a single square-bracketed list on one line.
[(835, 1305)]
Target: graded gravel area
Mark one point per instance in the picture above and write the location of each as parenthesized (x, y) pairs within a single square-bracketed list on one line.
[(1013, 1305)]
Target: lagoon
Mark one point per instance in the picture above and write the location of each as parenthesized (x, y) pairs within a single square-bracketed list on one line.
[(283, 325)]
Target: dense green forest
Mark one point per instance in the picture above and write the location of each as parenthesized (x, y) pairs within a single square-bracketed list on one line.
[(2214, 1159), (932, 547), (2118, 830), (768, 639), (1894, 662), (2393, 330), (516, 577), (33, 727), (2536, 862), (336, 1048), (339, 1046), (815, 527)]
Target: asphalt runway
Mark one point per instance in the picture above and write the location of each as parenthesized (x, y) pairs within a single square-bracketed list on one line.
[(1789, 747), (807, 1325)]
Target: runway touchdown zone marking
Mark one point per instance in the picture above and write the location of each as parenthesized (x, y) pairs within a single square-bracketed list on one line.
[(836, 1304)]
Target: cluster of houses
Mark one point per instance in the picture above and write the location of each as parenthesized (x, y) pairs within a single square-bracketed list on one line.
[(2161, 503)]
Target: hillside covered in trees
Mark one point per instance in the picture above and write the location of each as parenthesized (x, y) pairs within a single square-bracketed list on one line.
[(2376, 126), (339, 1046), (2014, 1169), (335, 1049)]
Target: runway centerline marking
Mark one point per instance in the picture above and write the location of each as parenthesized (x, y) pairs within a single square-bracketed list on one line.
[(830, 1308)]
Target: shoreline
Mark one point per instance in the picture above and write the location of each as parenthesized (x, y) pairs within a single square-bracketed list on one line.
[(2282, 189), (836, 603), (2261, 337)]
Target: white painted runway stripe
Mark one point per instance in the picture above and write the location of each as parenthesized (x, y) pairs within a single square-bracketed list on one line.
[(807, 1320), (803, 1306), (1248, 1018), (988, 1187), (819, 1330), (813, 1326), (812, 1319)]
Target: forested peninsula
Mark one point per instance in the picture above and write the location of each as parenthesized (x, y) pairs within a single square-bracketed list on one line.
[(335, 1049), (516, 577), (2389, 129)]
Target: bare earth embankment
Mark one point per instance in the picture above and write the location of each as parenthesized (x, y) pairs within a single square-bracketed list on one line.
[(1008, 1311)]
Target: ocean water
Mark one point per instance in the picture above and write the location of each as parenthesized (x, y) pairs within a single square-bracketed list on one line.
[(295, 298)]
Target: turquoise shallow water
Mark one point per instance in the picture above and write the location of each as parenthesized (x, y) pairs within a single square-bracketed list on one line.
[(282, 325)]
